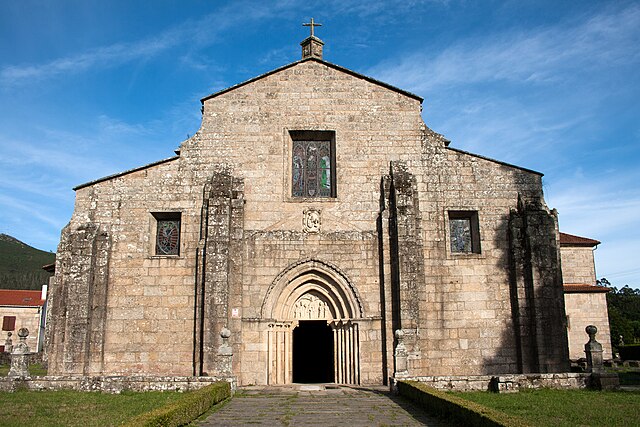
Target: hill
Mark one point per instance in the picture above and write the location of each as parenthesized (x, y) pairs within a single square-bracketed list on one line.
[(21, 265)]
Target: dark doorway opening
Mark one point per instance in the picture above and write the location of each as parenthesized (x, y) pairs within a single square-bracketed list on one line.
[(313, 352)]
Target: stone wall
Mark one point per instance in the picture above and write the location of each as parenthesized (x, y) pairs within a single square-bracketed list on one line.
[(584, 309), (578, 265), (108, 384), (382, 243), (467, 322), (505, 383)]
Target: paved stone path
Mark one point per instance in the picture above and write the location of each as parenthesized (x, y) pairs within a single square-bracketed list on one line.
[(301, 405)]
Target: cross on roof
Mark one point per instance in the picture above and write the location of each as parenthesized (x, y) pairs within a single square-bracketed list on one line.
[(312, 24)]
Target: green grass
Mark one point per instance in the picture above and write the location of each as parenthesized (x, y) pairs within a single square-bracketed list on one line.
[(74, 408), (35, 370), (565, 407)]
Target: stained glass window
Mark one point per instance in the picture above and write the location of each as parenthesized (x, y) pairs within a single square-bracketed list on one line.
[(464, 232), (460, 235), (168, 237), (312, 169)]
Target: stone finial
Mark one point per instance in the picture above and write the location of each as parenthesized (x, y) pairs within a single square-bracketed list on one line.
[(225, 334), (19, 363), (8, 343), (225, 352), (22, 347), (400, 355), (593, 351)]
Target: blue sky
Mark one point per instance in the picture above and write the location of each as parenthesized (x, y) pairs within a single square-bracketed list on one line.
[(89, 88)]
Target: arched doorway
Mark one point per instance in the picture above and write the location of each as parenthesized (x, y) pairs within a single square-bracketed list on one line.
[(314, 335), (312, 352)]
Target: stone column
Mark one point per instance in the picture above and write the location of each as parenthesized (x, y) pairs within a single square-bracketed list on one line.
[(19, 363), (401, 355), (593, 351), (225, 353), (600, 380), (279, 343)]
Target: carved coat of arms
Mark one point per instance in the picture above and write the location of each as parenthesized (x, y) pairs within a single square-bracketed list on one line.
[(311, 221)]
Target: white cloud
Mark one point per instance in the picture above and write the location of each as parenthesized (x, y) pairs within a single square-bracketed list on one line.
[(63, 156), (116, 127), (193, 33), (32, 209), (603, 206), (598, 204), (616, 260), (534, 57), (113, 55)]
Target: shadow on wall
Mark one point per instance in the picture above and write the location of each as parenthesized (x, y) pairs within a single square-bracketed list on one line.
[(538, 337)]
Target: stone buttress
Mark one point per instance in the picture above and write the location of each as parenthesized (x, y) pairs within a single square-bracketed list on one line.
[(536, 289), (78, 302), (219, 268)]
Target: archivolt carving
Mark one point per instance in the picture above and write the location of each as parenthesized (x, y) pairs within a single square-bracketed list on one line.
[(311, 279)]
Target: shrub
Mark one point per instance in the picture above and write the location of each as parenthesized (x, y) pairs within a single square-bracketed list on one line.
[(186, 409), (629, 352), (464, 412)]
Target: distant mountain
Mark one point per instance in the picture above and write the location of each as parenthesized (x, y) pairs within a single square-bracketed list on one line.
[(21, 265)]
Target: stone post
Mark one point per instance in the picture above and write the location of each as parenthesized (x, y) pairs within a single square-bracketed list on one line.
[(225, 353), (600, 379), (401, 355), (593, 351), (19, 363), (8, 344)]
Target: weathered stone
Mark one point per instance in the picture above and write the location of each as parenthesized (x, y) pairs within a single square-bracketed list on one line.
[(19, 360), (8, 343), (379, 260), (401, 356), (593, 351)]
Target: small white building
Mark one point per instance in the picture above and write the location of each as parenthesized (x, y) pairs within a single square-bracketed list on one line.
[(23, 309)]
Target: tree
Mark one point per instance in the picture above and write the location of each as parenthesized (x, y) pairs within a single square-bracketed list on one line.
[(624, 313)]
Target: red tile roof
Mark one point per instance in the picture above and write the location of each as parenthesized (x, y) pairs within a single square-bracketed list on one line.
[(571, 240), (583, 287), (21, 298)]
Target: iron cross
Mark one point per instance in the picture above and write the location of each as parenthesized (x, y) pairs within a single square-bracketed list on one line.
[(312, 24)]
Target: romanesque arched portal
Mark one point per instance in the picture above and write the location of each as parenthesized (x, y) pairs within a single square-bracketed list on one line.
[(314, 334)]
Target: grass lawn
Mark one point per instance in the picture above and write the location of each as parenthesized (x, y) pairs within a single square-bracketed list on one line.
[(74, 408), (36, 370), (565, 407)]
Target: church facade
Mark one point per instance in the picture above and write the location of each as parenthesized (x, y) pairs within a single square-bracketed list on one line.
[(312, 223)]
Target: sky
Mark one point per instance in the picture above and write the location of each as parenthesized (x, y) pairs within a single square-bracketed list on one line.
[(89, 88)]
